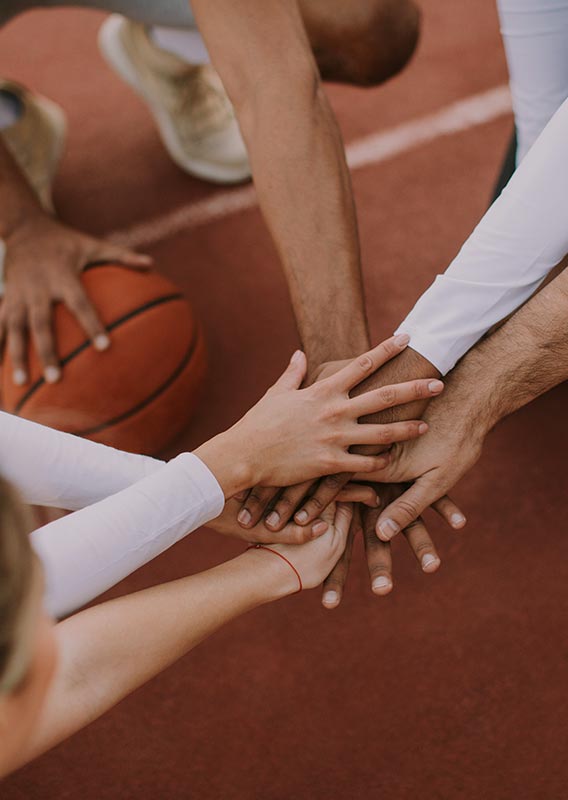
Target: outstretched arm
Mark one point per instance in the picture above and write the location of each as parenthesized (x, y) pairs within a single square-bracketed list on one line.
[(522, 360), (56, 469), (109, 651), (264, 58)]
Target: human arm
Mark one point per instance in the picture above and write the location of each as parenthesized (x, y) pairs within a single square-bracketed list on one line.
[(290, 434), (512, 250), (41, 263), (56, 469), (265, 62), (108, 651), (523, 359)]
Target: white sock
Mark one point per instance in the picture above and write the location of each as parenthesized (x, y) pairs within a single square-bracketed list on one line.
[(10, 109), (186, 43)]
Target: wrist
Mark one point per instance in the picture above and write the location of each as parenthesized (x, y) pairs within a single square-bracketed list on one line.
[(227, 459), (273, 579), (23, 217)]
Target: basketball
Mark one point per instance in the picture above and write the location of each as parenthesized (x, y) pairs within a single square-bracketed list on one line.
[(140, 393)]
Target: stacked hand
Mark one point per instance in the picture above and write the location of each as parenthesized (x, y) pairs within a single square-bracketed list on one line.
[(267, 512)]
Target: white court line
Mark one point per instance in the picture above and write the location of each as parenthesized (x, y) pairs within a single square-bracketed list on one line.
[(459, 116)]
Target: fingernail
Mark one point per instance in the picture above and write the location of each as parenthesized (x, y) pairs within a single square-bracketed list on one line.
[(428, 560), (19, 377), (435, 387), (101, 342), (382, 582), (330, 598), (296, 357), (401, 339), (301, 517), (457, 519), (244, 517), (52, 374), (377, 501), (273, 519), (422, 428), (388, 528), (319, 528)]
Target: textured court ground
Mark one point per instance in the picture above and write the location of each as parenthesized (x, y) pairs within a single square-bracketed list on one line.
[(453, 687)]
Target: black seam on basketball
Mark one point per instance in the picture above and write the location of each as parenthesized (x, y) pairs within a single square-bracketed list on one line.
[(156, 393), (87, 343)]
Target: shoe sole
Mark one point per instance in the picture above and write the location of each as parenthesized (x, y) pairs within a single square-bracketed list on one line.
[(117, 58)]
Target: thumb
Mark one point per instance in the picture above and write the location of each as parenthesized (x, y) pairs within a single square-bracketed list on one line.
[(294, 373), (407, 508), (111, 253)]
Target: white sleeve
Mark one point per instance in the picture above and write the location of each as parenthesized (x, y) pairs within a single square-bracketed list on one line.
[(519, 240), (51, 468), (535, 35), (87, 552)]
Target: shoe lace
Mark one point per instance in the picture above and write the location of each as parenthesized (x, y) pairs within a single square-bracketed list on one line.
[(199, 98)]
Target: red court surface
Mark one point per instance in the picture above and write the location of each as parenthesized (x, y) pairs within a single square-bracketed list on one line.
[(455, 685)]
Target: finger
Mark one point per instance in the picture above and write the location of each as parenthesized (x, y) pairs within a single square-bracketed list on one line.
[(294, 373), (17, 341), (358, 493), (342, 523), (326, 491), (379, 557), (109, 253), (286, 504), (79, 304), (40, 314), (365, 364), (450, 512), (241, 496), (366, 433), (406, 509), (422, 546), (290, 534), (335, 582), (396, 395), (364, 464), (255, 505)]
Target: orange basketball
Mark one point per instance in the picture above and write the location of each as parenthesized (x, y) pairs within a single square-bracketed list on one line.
[(140, 393)]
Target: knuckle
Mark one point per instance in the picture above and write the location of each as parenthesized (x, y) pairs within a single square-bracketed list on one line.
[(419, 389), (421, 548), (301, 536), (408, 508), (365, 362), (284, 504), (332, 482), (314, 504), (336, 580), (377, 570), (387, 395)]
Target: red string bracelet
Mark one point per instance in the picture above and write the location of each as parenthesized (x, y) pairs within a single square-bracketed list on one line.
[(276, 553)]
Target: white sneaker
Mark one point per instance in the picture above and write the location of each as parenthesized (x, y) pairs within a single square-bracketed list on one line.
[(36, 139), (194, 116)]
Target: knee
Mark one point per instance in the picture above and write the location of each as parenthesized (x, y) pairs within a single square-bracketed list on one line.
[(368, 47)]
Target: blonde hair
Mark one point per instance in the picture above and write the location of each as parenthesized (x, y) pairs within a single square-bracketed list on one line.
[(16, 578)]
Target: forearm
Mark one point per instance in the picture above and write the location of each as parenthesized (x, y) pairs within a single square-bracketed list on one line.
[(305, 193), (264, 59), (525, 358), (56, 469), (109, 651), (518, 242), (87, 552), (17, 200)]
